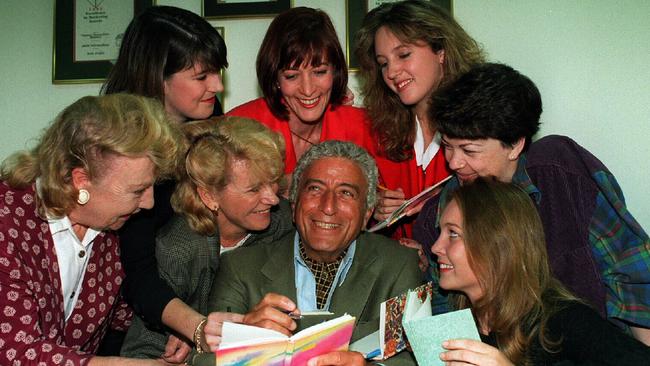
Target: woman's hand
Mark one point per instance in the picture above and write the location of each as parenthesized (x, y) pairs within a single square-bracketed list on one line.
[(348, 98), (387, 202), (176, 350), (338, 358), (410, 243), (471, 352), (212, 329)]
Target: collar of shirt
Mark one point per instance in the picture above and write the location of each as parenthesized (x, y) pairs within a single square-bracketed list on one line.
[(72, 256), (423, 157), (239, 244), (521, 179), (306, 283)]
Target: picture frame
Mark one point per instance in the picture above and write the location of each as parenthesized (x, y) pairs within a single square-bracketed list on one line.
[(87, 35), (221, 96), (224, 9), (355, 10)]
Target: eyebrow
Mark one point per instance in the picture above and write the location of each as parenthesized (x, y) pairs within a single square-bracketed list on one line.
[(140, 186), (444, 141), (355, 187)]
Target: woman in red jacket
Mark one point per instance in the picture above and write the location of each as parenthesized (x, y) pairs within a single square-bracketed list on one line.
[(302, 73)]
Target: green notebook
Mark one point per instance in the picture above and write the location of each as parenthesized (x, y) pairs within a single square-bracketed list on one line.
[(427, 334)]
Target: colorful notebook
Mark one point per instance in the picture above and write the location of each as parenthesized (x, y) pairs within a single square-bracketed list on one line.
[(390, 339), (244, 345)]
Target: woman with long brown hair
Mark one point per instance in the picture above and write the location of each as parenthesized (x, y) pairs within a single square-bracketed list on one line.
[(491, 256), (406, 51)]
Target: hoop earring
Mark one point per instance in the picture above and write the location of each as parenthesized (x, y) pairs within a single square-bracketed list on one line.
[(83, 197)]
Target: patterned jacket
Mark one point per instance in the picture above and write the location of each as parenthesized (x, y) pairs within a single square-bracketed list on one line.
[(33, 329)]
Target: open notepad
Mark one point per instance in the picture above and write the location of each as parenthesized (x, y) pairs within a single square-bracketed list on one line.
[(243, 345), (426, 334), (406, 321), (402, 210), (390, 339)]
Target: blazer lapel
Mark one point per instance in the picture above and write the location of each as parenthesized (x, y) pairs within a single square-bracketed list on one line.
[(278, 270), (351, 297)]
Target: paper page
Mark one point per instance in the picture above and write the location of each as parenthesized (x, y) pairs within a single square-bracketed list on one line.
[(368, 345), (411, 203), (415, 308), (234, 335), (382, 328), (324, 325), (426, 335)]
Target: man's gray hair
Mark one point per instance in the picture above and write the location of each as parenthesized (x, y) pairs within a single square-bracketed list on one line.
[(338, 149)]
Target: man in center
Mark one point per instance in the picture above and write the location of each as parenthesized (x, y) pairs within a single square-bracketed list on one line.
[(328, 263)]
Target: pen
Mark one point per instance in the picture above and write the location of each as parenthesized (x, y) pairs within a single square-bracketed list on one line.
[(373, 354), (292, 315)]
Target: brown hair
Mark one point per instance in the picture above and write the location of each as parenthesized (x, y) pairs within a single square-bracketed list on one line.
[(296, 36), (160, 42), (412, 22), (83, 135), (214, 144), (506, 249)]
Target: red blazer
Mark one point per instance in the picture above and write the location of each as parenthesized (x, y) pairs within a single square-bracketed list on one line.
[(345, 123), (32, 323)]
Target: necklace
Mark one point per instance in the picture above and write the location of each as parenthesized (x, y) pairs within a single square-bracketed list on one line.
[(308, 135)]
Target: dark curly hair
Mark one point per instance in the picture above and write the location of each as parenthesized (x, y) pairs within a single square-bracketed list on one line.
[(489, 101)]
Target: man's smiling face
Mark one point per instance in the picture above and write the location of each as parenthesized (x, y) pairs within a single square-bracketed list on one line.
[(330, 208)]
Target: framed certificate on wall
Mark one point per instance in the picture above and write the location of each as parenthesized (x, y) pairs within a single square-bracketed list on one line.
[(87, 37), (216, 9)]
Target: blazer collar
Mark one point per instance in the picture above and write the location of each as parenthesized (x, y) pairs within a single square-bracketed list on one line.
[(351, 295), (279, 270)]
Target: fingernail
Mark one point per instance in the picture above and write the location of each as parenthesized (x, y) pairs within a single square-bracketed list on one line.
[(445, 344)]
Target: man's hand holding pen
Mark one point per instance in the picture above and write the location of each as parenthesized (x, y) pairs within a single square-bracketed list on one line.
[(275, 312)]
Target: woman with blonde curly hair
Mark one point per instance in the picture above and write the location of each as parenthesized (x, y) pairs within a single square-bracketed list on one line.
[(492, 258), (406, 51), (60, 204), (226, 198)]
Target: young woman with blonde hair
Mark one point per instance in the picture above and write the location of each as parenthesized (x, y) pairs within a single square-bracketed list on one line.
[(225, 198)]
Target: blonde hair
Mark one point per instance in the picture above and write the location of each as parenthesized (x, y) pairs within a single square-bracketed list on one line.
[(83, 135), (506, 249), (412, 22), (213, 145)]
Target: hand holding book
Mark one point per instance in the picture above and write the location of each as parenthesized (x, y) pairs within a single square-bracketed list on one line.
[(410, 206), (247, 345)]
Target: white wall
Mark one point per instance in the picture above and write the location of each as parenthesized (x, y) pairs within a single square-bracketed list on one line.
[(589, 58)]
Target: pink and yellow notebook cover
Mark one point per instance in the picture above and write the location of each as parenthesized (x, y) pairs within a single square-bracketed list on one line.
[(244, 345)]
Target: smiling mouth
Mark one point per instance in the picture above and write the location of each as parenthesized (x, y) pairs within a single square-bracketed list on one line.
[(326, 225), (444, 266), (265, 211), (209, 100), (403, 84), (309, 103)]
